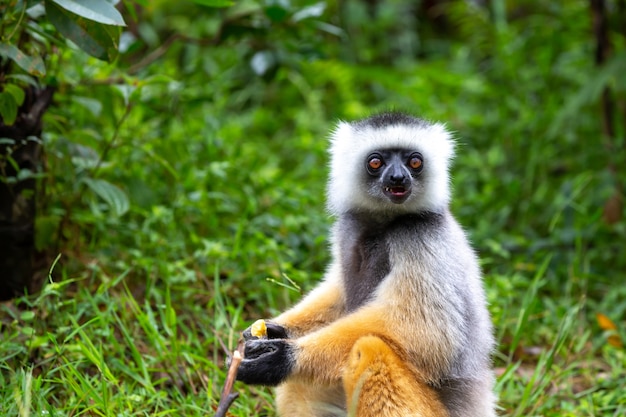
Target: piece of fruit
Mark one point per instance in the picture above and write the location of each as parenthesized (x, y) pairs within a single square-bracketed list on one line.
[(259, 329)]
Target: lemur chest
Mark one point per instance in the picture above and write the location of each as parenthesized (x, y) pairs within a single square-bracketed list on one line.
[(365, 264)]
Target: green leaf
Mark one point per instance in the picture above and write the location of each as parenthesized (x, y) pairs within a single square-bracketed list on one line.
[(314, 10), (24, 78), (126, 90), (262, 62), (96, 10), (276, 12), (8, 108), (17, 93), (91, 104), (98, 40), (115, 197), (27, 315), (214, 3), (32, 64)]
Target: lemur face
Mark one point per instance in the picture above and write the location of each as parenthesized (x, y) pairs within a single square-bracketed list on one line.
[(391, 173), (389, 164)]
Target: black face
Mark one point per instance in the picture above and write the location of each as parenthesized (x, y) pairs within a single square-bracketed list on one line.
[(396, 170)]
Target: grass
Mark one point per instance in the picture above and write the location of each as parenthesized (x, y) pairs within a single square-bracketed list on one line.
[(78, 348), (107, 352)]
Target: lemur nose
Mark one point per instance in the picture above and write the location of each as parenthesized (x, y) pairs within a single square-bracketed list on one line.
[(397, 177)]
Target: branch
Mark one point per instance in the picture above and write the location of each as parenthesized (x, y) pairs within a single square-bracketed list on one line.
[(227, 398), (217, 39), (603, 48), (154, 55), (109, 144)]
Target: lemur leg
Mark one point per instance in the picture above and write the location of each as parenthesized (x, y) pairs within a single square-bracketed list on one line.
[(321, 356), (302, 399), (378, 384)]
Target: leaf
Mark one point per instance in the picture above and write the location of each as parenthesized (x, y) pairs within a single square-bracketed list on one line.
[(607, 325), (126, 90), (262, 61), (96, 10), (115, 197), (17, 93), (8, 108), (277, 12), (93, 105), (314, 10), (27, 315), (24, 78), (214, 3), (32, 64), (98, 40)]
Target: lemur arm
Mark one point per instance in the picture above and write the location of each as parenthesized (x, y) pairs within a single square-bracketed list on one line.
[(323, 305), (321, 356), (317, 356)]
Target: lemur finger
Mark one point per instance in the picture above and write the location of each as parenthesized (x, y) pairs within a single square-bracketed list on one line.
[(264, 329), (275, 331)]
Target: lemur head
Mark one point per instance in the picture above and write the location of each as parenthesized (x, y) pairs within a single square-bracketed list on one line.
[(389, 163)]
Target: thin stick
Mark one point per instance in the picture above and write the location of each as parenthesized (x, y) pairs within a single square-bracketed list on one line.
[(227, 398)]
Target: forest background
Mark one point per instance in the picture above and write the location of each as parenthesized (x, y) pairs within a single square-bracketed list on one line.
[(175, 186)]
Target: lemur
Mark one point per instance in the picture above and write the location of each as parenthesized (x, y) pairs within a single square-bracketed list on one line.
[(399, 325)]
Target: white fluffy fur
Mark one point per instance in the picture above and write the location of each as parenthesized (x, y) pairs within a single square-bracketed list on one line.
[(350, 145)]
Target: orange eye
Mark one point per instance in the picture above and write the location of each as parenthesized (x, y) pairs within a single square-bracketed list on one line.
[(375, 163), (415, 162)]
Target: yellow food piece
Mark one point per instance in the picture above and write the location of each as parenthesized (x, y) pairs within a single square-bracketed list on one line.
[(259, 329)]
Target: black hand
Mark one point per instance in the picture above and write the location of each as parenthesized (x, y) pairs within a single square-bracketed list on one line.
[(266, 362), (274, 331)]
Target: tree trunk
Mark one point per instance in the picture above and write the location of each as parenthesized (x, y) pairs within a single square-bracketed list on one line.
[(21, 148)]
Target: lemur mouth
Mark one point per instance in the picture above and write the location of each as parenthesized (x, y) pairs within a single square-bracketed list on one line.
[(396, 191), (397, 194)]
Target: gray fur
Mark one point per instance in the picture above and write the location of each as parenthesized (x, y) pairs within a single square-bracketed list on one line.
[(364, 247)]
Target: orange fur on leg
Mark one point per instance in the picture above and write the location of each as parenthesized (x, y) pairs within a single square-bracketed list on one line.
[(303, 399), (379, 384), (321, 355)]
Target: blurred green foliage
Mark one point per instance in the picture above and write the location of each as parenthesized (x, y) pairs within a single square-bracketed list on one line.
[(210, 130)]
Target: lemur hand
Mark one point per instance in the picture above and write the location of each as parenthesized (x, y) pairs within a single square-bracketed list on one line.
[(266, 362), (274, 331)]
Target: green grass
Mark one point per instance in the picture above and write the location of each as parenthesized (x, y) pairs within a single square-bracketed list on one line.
[(99, 346), (82, 350)]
